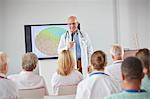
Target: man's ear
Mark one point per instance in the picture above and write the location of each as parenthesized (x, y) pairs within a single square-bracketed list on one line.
[(112, 56), (122, 76), (145, 71), (89, 69), (142, 76)]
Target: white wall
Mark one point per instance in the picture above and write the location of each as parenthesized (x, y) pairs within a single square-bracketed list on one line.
[(96, 18), (1, 24), (134, 18), (148, 12), (22, 12)]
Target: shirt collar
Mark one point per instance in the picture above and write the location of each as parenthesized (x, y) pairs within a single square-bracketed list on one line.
[(75, 32), (3, 75), (96, 71), (26, 72), (117, 61)]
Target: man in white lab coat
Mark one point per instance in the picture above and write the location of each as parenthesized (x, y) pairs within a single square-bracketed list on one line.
[(26, 79), (114, 70), (79, 43), (132, 74), (8, 89), (98, 84)]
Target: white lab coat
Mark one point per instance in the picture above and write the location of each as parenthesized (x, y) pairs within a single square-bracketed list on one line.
[(73, 79), (114, 70), (85, 45), (8, 89), (28, 80), (97, 87), (130, 95)]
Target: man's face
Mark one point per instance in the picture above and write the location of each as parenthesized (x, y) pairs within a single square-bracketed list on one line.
[(73, 24)]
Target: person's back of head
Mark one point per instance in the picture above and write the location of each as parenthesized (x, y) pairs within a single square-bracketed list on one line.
[(117, 52), (29, 61), (132, 69), (65, 63), (3, 62), (98, 60), (144, 56), (8, 89)]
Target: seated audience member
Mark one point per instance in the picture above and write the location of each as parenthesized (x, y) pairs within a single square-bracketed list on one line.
[(66, 75), (144, 56), (98, 84), (132, 74), (114, 70), (26, 79), (8, 89)]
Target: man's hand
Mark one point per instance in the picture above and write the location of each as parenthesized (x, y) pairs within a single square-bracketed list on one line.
[(70, 44)]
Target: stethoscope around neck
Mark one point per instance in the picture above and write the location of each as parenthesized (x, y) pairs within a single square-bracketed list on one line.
[(67, 34)]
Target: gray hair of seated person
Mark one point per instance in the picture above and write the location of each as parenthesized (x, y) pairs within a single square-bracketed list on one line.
[(116, 50), (29, 61), (132, 68), (3, 59)]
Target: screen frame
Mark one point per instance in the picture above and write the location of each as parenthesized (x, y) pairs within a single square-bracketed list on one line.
[(28, 38)]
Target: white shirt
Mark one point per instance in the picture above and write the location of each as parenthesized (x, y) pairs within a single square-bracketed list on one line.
[(28, 80), (8, 89), (114, 70), (73, 79), (97, 86)]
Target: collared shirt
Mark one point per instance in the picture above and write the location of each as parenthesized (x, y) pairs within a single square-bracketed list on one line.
[(8, 89), (114, 70), (28, 80), (78, 49)]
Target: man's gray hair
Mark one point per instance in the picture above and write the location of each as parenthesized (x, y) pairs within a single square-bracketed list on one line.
[(116, 50), (29, 61), (3, 59)]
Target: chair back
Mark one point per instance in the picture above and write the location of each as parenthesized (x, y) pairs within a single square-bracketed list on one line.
[(32, 93), (67, 90), (60, 97)]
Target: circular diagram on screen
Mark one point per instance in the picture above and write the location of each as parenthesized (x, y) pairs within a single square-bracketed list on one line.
[(47, 40)]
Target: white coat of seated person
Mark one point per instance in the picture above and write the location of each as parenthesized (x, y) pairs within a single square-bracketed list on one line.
[(65, 75), (98, 84), (114, 70), (26, 79), (8, 89)]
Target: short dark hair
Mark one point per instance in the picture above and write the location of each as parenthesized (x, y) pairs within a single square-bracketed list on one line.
[(98, 59), (132, 68), (144, 56)]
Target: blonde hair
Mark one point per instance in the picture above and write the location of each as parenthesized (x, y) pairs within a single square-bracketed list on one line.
[(3, 59), (29, 61), (65, 63)]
